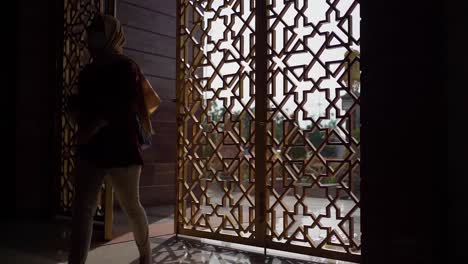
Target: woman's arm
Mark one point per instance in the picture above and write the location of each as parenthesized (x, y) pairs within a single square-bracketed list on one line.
[(79, 107)]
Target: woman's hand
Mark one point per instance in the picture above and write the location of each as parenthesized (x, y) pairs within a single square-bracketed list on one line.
[(84, 135)]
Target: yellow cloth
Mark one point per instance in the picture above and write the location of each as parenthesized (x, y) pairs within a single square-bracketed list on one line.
[(152, 100)]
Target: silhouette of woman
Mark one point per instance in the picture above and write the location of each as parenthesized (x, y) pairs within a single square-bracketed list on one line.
[(112, 106)]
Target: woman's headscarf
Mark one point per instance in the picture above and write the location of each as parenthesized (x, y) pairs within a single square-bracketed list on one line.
[(105, 35)]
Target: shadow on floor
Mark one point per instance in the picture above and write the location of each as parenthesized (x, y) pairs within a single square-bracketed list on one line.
[(160, 220), (182, 250), (33, 242), (44, 243)]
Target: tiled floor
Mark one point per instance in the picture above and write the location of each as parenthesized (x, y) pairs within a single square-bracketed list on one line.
[(169, 249), (46, 243), (166, 249)]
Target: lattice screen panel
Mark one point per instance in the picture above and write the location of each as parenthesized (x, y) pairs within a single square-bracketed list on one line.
[(216, 180), (77, 15), (312, 164), (313, 142)]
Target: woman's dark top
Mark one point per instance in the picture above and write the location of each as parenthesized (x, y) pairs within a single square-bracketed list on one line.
[(108, 91)]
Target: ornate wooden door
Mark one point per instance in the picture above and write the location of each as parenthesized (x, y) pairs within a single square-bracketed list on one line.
[(268, 124)]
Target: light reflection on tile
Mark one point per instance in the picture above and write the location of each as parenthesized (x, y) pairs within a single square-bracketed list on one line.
[(182, 250)]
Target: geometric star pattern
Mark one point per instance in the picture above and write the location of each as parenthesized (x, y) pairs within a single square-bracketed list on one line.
[(313, 144), (216, 118), (313, 124)]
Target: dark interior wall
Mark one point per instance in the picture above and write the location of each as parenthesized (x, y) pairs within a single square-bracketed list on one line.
[(403, 132), (35, 103), (150, 28), (457, 151)]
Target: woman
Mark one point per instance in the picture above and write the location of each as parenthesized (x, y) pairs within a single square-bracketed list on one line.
[(112, 108)]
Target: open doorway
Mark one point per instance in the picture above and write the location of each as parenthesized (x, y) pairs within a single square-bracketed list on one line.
[(269, 138)]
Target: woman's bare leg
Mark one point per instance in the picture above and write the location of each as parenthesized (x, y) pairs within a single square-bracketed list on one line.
[(126, 183), (88, 181)]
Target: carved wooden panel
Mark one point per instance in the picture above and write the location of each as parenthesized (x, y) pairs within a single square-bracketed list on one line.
[(313, 144), (312, 99), (76, 16), (215, 177)]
